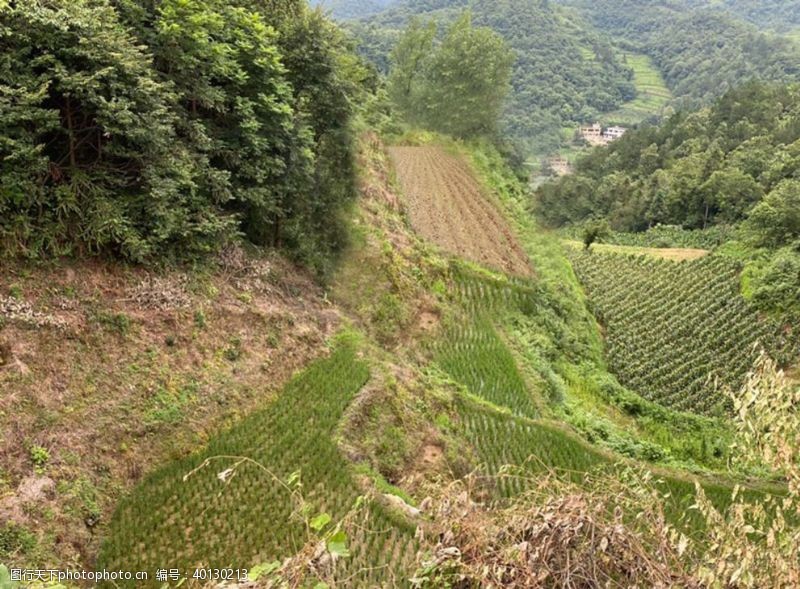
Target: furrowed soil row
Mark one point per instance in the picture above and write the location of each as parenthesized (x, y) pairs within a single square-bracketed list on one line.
[(447, 206)]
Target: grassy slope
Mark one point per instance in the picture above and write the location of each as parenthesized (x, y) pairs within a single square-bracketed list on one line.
[(107, 371)]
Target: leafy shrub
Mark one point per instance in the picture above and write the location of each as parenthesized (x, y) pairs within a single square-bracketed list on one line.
[(40, 456), (776, 286)]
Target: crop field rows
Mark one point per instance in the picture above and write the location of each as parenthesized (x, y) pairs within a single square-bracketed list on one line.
[(477, 357), (251, 517), (531, 448), (652, 92), (678, 333), (448, 206)]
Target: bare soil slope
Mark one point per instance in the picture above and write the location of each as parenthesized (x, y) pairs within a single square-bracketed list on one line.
[(448, 206), (107, 372)]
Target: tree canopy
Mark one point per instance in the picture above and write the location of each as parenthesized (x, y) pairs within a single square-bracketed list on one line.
[(736, 160), (149, 128), (458, 86)]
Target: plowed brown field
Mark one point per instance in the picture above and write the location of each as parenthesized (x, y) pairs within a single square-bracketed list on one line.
[(448, 206)]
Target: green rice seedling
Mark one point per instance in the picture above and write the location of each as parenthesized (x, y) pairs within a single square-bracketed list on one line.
[(229, 512)]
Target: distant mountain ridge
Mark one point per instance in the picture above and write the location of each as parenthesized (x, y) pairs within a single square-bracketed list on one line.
[(565, 72), (702, 48), (351, 9)]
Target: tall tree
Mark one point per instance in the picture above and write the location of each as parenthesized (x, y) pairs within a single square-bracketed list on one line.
[(458, 87), (469, 80), (410, 59)]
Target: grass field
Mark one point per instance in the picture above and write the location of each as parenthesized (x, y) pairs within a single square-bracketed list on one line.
[(652, 93)]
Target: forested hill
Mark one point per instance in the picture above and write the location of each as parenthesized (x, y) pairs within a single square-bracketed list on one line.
[(564, 73), (349, 9), (779, 15), (736, 160), (701, 52)]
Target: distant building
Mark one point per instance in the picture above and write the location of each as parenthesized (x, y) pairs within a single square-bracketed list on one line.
[(615, 132), (560, 166), (595, 135), (594, 131)]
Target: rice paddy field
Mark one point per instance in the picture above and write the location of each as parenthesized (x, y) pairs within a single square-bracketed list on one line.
[(498, 412), (244, 507)]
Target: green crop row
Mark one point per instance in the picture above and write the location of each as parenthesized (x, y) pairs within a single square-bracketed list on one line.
[(251, 517), (679, 334)]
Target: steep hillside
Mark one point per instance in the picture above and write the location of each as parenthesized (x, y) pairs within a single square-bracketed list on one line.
[(701, 52), (106, 371), (778, 15), (564, 72), (446, 206), (446, 368)]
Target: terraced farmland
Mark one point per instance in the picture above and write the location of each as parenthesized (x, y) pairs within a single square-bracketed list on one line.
[(449, 207), (499, 417), (652, 92), (252, 518), (677, 332)]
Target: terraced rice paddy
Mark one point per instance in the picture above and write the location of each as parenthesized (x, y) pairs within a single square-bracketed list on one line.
[(448, 206), (652, 92), (251, 517), (499, 419)]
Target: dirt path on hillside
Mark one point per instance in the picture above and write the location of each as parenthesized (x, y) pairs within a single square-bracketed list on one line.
[(448, 206), (668, 253)]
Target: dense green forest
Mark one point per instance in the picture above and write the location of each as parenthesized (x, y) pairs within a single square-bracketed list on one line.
[(697, 169), (780, 15), (564, 72), (735, 162), (347, 9), (701, 52), (183, 124)]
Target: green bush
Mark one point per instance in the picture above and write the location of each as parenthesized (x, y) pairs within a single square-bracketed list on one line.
[(775, 287)]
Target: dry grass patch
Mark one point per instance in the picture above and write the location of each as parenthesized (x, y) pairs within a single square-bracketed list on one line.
[(113, 370)]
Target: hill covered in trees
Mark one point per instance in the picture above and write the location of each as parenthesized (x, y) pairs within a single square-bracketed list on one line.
[(697, 169), (348, 9), (702, 52), (182, 125), (733, 163), (779, 15), (563, 71)]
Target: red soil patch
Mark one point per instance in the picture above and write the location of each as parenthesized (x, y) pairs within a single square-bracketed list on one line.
[(448, 206)]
